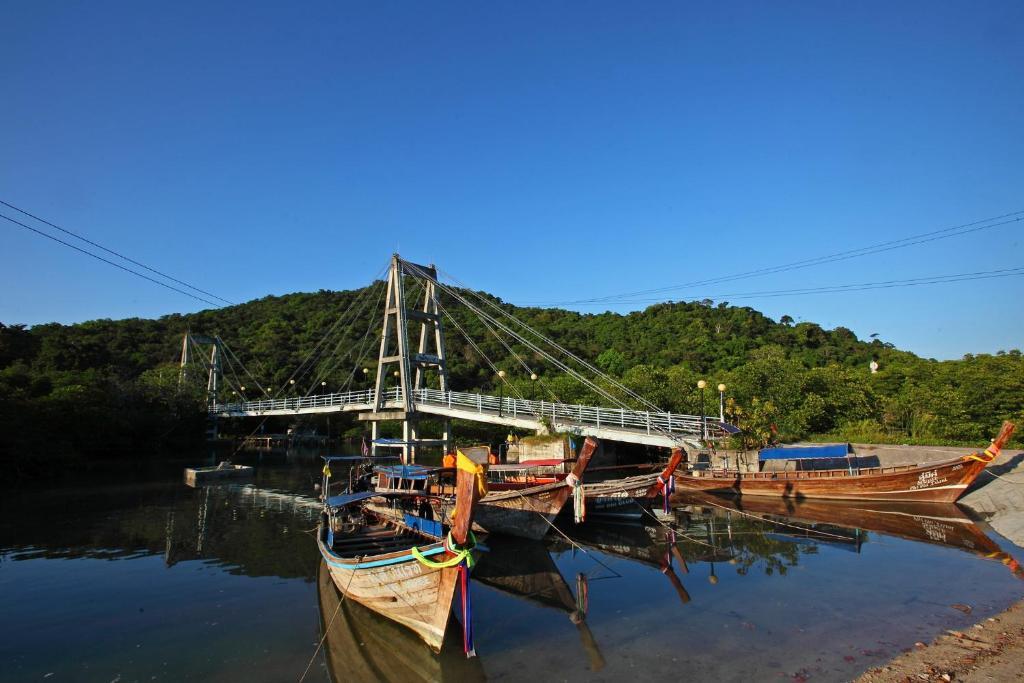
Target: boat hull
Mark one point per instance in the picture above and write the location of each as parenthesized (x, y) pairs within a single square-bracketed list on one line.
[(527, 514), (401, 589), (938, 482)]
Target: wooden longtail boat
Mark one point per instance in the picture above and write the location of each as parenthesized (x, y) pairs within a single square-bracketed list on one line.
[(404, 569), (943, 481), (631, 496), (526, 512), (360, 645), (529, 512)]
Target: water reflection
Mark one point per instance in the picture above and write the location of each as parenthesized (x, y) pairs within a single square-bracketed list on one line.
[(218, 582)]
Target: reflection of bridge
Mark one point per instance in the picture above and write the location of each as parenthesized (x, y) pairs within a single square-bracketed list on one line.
[(412, 386), (619, 424)]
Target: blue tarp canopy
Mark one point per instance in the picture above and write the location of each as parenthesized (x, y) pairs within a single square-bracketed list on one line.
[(407, 471), (356, 458), (832, 450), (344, 499)]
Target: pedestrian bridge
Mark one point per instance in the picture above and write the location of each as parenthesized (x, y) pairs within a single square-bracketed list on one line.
[(616, 424)]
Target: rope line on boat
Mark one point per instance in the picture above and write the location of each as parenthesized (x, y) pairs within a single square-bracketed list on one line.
[(563, 535), (344, 594), (1003, 477)]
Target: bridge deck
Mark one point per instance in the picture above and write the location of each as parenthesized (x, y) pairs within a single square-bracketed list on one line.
[(651, 428)]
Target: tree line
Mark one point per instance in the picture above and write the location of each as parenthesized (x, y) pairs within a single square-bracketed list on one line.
[(111, 386)]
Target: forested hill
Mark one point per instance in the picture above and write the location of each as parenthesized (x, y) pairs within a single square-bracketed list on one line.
[(109, 384)]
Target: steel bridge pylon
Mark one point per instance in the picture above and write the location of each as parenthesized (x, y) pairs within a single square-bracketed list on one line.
[(191, 349), (415, 370)]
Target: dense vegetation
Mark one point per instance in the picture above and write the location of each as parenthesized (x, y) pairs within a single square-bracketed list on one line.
[(111, 387)]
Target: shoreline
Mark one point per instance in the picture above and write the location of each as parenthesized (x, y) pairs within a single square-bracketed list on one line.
[(992, 649)]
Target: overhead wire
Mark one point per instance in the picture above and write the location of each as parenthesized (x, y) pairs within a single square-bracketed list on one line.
[(114, 253), (857, 287), (109, 262), (922, 238)]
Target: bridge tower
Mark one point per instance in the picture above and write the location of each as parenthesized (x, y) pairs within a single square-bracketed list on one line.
[(414, 369), (191, 347)]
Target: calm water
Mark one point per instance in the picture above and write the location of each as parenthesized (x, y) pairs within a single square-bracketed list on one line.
[(147, 579)]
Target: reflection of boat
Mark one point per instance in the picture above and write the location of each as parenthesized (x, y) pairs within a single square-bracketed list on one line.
[(655, 546), (405, 568), (524, 568), (360, 645), (942, 481), (936, 523)]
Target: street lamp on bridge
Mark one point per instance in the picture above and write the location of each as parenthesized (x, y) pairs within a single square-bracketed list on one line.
[(721, 402), (501, 390), (701, 384)]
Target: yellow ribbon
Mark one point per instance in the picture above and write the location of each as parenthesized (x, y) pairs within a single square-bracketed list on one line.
[(459, 555), (466, 465), (327, 470), (975, 456)]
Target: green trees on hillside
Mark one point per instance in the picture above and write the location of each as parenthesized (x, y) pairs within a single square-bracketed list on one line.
[(104, 384)]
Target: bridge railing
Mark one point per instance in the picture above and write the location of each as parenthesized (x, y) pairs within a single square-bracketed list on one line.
[(649, 422), (361, 397), (608, 418)]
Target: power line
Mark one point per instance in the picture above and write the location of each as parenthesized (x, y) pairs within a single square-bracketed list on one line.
[(922, 238), (109, 262), (855, 287), (114, 253)]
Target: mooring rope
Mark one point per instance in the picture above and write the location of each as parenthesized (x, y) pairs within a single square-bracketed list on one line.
[(344, 594)]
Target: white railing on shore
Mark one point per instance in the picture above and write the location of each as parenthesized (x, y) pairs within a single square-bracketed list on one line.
[(514, 408)]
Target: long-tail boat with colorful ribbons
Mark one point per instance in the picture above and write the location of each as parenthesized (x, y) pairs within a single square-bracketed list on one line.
[(404, 568), (632, 497), (526, 512), (361, 646), (942, 481), (623, 497)]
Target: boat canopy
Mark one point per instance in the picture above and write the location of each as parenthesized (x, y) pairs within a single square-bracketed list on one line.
[(832, 450), (344, 499), (408, 471), (356, 458)]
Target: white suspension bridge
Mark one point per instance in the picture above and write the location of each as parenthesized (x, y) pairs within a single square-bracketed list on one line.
[(633, 419)]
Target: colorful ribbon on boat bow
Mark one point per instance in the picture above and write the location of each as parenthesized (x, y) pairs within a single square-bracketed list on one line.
[(579, 498), (462, 559), (667, 489), (989, 455), (458, 554)]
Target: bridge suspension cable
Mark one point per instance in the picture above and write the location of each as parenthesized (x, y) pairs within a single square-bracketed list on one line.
[(565, 367)]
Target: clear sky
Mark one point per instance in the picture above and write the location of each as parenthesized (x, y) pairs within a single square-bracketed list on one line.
[(544, 152)]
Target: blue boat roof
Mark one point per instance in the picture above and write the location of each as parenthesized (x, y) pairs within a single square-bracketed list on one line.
[(343, 499), (832, 450), (408, 471), (356, 458)]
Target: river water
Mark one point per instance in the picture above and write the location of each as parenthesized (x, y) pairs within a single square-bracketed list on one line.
[(139, 577)]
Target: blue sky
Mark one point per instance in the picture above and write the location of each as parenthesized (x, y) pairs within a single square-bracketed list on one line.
[(544, 152)]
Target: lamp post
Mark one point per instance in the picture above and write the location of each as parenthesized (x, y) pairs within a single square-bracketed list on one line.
[(501, 390), (323, 387), (721, 403), (701, 384), (533, 379)]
